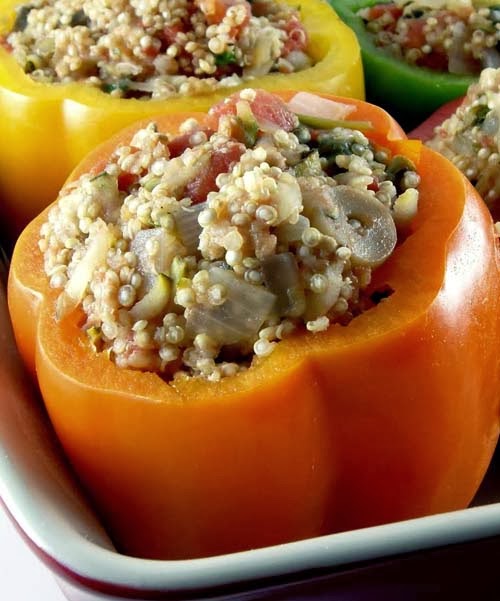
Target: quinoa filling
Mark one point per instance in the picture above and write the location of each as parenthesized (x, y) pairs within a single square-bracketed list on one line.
[(470, 138), (157, 48), (191, 254), (455, 36)]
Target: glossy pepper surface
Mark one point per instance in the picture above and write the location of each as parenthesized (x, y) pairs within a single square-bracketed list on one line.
[(46, 129), (409, 93), (393, 416)]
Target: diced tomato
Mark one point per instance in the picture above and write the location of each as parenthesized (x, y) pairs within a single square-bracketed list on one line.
[(437, 61), (151, 51), (179, 144), (414, 36), (125, 180), (227, 70), (221, 161), (425, 131), (267, 109), (296, 36), (169, 34), (380, 10), (4, 43)]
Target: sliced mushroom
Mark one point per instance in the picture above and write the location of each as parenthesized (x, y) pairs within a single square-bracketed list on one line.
[(377, 237)]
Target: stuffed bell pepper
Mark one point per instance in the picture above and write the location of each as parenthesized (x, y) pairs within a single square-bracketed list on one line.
[(72, 73), (468, 134), (419, 54), (270, 322)]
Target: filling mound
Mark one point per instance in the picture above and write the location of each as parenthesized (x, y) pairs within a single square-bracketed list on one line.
[(191, 254), (470, 138), (454, 36), (157, 48)]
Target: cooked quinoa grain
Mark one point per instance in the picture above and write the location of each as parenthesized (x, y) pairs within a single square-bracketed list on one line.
[(457, 36), (157, 48), (470, 138), (190, 254)]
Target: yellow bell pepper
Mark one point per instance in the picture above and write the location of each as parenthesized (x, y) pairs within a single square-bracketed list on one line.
[(47, 128)]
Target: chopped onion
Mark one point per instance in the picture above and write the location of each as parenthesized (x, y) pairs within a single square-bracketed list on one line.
[(304, 103), (292, 232), (287, 198), (99, 242), (261, 58), (458, 62), (282, 278), (180, 171), (188, 228), (300, 60), (318, 304), (168, 246), (491, 124), (239, 318), (104, 187), (491, 58), (462, 144)]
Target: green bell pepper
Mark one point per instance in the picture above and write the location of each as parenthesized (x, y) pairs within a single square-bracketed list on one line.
[(410, 94)]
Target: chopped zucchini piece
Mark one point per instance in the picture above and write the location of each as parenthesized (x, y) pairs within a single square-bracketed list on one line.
[(154, 301)]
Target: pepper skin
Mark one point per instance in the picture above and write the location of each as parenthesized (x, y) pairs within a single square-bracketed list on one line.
[(393, 416), (425, 131), (47, 129), (409, 93)]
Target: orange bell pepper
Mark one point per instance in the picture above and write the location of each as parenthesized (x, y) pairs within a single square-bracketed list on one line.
[(393, 416), (47, 129)]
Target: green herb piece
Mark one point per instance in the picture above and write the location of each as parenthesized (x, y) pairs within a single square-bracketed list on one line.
[(322, 123), (397, 167), (151, 184), (495, 13), (29, 67), (225, 58), (22, 18), (95, 338), (480, 114), (79, 18), (303, 134), (250, 130), (311, 165), (330, 145), (122, 84)]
